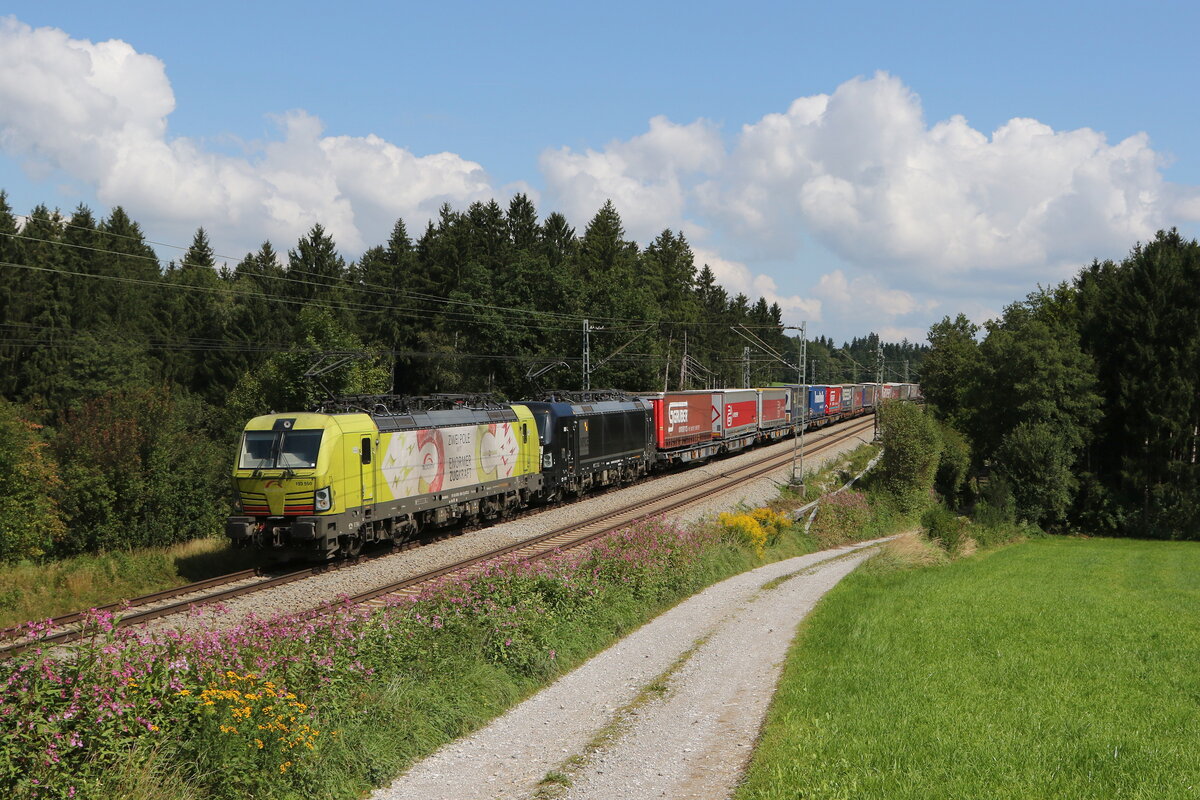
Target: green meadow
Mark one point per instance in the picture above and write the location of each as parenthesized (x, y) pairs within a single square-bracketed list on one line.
[(1054, 668)]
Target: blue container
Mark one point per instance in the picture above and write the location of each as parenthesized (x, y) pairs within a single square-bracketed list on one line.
[(816, 401)]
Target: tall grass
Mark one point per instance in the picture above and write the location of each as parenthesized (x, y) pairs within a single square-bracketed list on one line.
[(35, 591), (1049, 669)]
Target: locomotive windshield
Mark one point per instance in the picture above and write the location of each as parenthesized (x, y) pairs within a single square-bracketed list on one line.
[(295, 449)]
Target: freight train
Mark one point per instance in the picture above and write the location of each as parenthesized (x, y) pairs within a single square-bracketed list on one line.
[(320, 485)]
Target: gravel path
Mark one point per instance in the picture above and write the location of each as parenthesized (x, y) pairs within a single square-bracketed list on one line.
[(306, 594), (692, 741)]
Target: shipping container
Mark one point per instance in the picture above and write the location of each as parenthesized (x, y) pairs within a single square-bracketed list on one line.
[(890, 391), (816, 401), (774, 407), (847, 398), (734, 412), (833, 400), (856, 394), (682, 418), (870, 394)]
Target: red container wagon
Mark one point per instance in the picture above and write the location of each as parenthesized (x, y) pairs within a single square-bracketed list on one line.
[(682, 418), (684, 426), (889, 391), (856, 398), (833, 400), (735, 413)]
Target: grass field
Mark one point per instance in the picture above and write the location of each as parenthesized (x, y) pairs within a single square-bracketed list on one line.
[(1053, 668)]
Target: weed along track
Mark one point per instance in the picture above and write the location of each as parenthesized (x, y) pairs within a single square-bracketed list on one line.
[(304, 587)]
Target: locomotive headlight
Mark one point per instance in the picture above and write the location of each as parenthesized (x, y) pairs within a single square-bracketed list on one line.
[(322, 499)]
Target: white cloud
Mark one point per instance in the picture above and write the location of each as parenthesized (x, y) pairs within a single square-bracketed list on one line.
[(862, 172), (866, 295), (736, 277), (645, 177), (913, 210), (98, 112)]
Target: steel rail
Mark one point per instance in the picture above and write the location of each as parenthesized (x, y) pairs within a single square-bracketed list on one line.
[(543, 545), (578, 533)]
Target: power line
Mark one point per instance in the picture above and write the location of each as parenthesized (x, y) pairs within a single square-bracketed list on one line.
[(369, 288)]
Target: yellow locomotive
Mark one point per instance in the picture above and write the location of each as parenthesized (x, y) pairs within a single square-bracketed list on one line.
[(324, 484)]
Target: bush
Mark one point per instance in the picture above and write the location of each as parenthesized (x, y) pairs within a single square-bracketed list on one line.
[(946, 529), (840, 517), (139, 471), (1037, 461), (912, 446), (30, 519), (755, 529), (954, 465)]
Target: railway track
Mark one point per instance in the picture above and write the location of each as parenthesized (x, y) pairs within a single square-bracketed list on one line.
[(182, 599), (592, 528)]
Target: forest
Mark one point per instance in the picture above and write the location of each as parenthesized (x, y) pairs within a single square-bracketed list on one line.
[(124, 381), (1081, 403)]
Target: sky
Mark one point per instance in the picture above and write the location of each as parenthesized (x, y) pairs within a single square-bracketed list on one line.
[(870, 166)]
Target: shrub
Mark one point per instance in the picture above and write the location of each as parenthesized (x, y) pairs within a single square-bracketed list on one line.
[(911, 449), (30, 518), (1038, 462), (954, 464), (946, 529), (755, 529), (841, 516), (139, 471)]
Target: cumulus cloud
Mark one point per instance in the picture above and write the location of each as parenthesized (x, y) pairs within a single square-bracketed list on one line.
[(862, 172), (875, 183), (645, 177), (736, 277), (98, 112)]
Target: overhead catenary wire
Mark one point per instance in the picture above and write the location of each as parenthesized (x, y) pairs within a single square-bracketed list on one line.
[(357, 286)]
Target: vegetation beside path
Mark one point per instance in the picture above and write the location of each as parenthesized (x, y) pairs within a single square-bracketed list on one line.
[(1059, 668), (330, 708)]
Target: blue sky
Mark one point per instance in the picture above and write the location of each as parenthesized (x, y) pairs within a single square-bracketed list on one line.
[(884, 201)]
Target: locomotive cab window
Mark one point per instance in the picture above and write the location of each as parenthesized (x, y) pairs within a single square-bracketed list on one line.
[(366, 450), (280, 449), (258, 450)]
